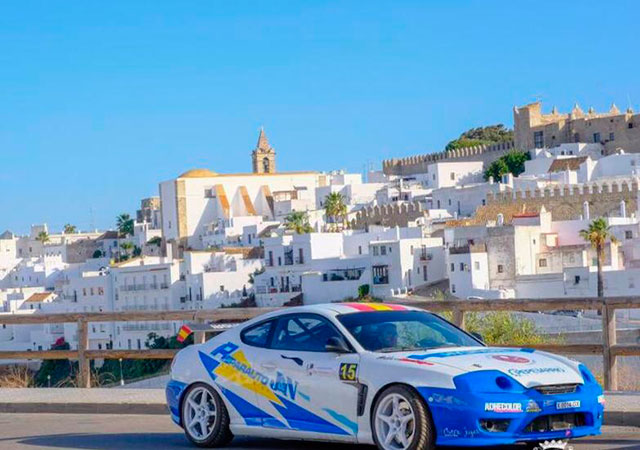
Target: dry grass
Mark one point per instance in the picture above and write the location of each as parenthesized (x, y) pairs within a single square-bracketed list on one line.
[(16, 377)]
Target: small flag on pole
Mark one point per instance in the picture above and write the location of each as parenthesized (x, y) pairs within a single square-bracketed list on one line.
[(184, 333)]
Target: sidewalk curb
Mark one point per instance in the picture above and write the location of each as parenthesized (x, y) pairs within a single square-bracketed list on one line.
[(622, 418), (85, 408)]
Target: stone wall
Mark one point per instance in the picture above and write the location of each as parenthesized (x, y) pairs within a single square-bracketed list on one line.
[(418, 164), (389, 215), (613, 129), (564, 204)]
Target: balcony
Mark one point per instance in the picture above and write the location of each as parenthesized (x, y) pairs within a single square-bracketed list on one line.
[(343, 274), (469, 248), (426, 256)]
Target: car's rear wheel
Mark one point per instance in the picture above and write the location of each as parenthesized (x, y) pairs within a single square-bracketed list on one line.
[(205, 418), (401, 421)]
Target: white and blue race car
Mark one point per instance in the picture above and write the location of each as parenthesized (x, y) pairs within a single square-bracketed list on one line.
[(399, 377)]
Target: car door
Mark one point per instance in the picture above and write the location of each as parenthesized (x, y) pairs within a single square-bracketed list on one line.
[(237, 372), (317, 391)]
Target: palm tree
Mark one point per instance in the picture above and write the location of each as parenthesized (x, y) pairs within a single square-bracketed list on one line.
[(124, 223), (298, 222), (597, 234), (70, 229), (335, 208), (43, 237)]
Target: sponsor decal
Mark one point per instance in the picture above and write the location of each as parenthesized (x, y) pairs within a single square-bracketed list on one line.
[(348, 372), (512, 359), (534, 371), (601, 399), (568, 404), (415, 361), (533, 407), (503, 407), (370, 307), (553, 445)]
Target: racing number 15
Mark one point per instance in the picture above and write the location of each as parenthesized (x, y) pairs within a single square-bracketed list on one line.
[(348, 371)]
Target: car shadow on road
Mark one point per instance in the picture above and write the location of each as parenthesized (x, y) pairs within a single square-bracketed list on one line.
[(144, 441)]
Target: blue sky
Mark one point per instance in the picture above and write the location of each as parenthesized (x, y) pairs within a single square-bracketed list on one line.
[(102, 100)]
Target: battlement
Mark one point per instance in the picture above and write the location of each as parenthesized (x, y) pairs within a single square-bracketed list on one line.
[(567, 191), (418, 164), (390, 215)]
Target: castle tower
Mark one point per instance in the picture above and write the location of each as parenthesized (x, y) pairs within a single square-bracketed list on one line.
[(263, 156)]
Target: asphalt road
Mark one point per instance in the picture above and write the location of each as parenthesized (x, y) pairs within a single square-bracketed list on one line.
[(71, 431)]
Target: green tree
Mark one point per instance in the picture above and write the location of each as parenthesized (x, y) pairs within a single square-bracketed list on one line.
[(597, 235), (512, 162), (124, 223), (298, 222), (70, 229), (127, 247), (503, 328), (156, 240), (43, 237), (335, 208), (481, 136), (137, 251)]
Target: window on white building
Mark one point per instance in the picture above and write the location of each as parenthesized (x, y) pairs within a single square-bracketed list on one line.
[(462, 267), (542, 262), (375, 250), (383, 250), (453, 267), (500, 268), (453, 288), (628, 234), (476, 265)]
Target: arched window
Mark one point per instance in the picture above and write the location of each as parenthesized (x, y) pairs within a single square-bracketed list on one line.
[(265, 164)]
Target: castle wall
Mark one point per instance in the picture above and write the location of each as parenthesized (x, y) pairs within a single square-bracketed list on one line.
[(418, 164), (613, 129), (389, 215), (564, 204)]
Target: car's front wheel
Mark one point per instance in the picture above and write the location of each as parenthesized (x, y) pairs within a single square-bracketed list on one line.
[(204, 417), (401, 421)]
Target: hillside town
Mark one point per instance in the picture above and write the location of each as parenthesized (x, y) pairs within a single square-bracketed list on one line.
[(483, 219)]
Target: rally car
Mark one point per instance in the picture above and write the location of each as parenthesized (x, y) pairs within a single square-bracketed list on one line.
[(395, 376)]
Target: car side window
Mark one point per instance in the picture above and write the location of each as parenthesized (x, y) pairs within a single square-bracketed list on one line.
[(303, 332), (257, 335)]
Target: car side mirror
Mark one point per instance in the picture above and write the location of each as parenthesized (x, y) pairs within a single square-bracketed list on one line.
[(478, 336), (336, 345)]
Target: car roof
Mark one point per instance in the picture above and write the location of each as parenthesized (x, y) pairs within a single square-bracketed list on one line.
[(335, 309)]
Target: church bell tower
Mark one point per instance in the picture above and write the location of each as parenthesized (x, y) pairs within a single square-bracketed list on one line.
[(263, 156)]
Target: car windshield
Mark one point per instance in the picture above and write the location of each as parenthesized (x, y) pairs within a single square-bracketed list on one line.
[(395, 331)]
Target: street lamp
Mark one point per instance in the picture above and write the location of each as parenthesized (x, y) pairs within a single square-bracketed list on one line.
[(121, 376)]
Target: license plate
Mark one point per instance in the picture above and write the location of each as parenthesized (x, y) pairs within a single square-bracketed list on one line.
[(568, 404)]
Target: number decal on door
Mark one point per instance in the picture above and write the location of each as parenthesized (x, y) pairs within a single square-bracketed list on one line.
[(348, 371)]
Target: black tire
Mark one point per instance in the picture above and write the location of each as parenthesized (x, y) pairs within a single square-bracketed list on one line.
[(220, 433), (424, 437)]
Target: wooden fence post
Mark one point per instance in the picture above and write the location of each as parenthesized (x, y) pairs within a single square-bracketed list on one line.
[(610, 363), (84, 364), (199, 337), (458, 318)]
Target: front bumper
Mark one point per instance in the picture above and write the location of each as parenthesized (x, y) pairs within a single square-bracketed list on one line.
[(458, 416), (174, 391)]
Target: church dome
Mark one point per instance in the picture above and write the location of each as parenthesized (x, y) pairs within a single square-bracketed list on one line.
[(198, 173)]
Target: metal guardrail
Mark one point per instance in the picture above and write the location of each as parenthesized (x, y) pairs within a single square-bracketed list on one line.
[(609, 348)]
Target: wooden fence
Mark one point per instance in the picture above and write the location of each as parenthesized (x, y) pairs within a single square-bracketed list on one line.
[(608, 348)]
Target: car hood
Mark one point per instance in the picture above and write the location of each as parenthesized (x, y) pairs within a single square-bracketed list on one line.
[(529, 367)]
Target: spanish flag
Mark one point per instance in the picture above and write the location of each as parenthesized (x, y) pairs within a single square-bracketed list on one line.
[(184, 333)]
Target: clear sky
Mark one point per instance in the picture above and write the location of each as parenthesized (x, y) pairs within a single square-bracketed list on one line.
[(101, 100)]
